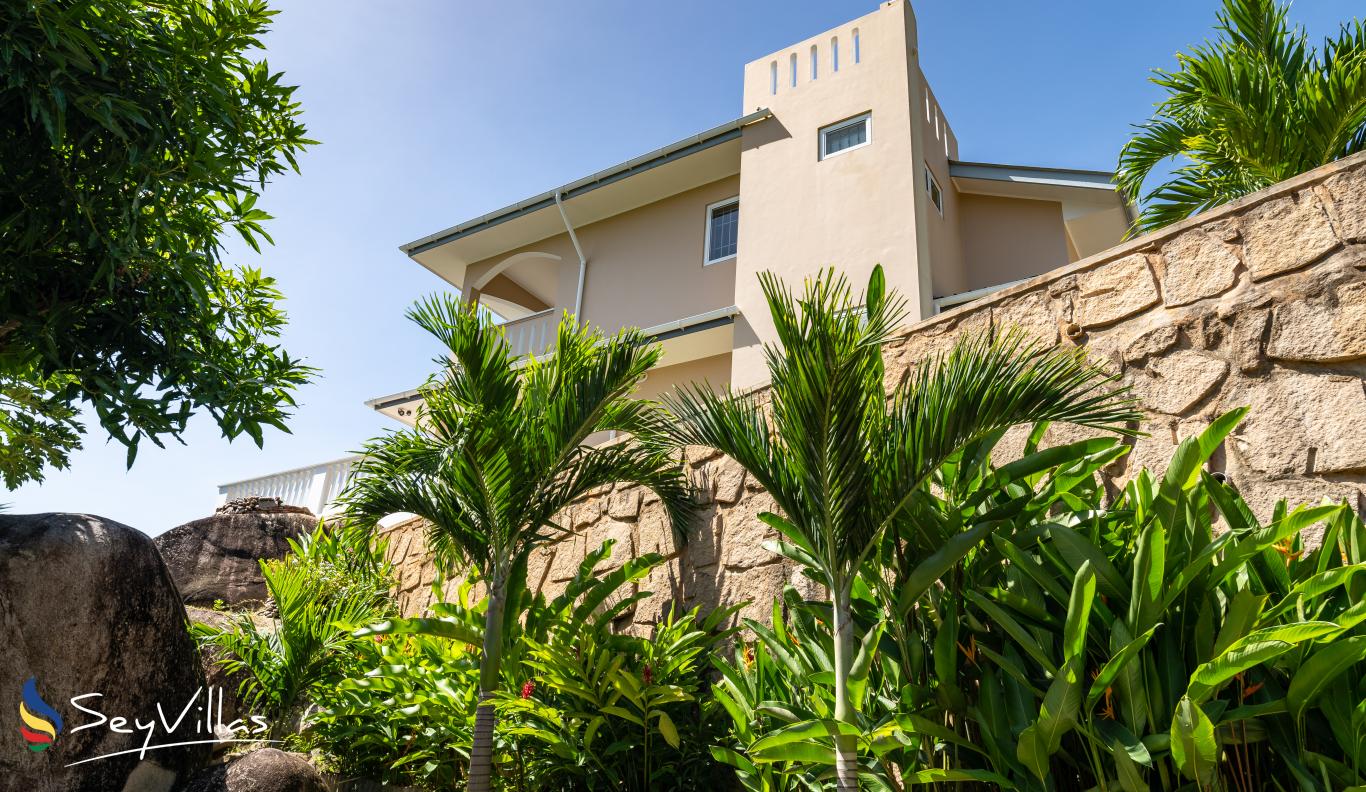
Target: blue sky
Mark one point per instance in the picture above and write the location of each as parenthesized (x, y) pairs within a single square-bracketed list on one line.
[(430, 113)]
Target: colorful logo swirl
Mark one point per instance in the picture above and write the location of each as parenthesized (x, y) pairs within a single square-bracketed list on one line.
[(40, 723)]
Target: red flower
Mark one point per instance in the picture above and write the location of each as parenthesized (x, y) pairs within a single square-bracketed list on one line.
[(528, 688), (647, 674)]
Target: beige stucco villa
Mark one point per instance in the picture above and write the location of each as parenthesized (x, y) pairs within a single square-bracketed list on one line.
[(842, 158)]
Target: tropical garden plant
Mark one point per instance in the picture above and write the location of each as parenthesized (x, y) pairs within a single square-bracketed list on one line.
[(583, 706), (1170, 638), (1159, 637), (502, 447), (843, 459), (334, 580), (911, 710), (1257, 105)]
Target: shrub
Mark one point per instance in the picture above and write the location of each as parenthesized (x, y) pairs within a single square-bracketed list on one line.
[(584, 707), (334, 580), (1162, 638)]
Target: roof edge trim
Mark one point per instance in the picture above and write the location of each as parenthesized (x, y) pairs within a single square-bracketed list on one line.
[(699, 142)]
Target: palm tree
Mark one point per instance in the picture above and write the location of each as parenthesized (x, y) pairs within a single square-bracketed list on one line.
[(842, 460), (1252, 108), (501, 448)]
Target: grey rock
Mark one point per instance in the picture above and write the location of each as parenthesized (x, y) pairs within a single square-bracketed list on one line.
[(261, 770), (216, 558), (88, 607)]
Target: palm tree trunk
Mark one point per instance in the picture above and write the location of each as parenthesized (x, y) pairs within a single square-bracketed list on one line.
[(846, 746), (481, 751)]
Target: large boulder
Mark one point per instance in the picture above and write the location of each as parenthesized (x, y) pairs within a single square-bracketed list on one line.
[(216, 558), (262, 770), (90, 614)]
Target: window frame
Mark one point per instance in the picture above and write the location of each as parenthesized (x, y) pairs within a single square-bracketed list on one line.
[(866, 118), (931, 187), (707, 260)]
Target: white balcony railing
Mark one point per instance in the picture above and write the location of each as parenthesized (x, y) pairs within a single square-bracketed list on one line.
[(533, 334), (315, 487)]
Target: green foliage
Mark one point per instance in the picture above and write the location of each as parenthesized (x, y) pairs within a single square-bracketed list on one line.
[(848, 466), (1077, 641), (1129, 645), (583, 707), (344, 562), (1254, 107), (289, 661), (503, 447), (405, 712), (503, 444), (134, 135), (38, 428)]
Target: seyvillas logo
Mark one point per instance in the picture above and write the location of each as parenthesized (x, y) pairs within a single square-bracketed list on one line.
[(39, 723)]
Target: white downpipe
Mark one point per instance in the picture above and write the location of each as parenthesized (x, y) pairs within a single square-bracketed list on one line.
[(583, 262)]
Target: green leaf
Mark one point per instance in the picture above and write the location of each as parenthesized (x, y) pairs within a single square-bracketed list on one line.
[(667, 728), (1316, 586), (1079, 613), (789, 531), (440, 628), (1112, 668), (942, 560), (876, 295), (858, 670), (1192, 743), (1130, 777), (803, 752), (1079, 551), (936, 775), (806, 730), (1319, 672), (1032, 751), (1115, 734), (1022, 637), (1253, 649), (1150, 571), (1184, 469), (1242, 615), (734, 759), (1062, 703), (916, 724)]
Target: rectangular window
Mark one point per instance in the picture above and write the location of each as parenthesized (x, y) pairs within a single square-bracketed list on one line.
[(932, 187), (846, 135), (723, 230)]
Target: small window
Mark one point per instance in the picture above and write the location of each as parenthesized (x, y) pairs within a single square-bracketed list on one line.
[(723, 230), (846, 135), (932, 187)]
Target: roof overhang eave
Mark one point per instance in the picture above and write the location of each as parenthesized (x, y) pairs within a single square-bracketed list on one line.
[(669, 153)]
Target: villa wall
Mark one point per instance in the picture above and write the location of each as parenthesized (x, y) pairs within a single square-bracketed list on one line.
[(1261, 303)]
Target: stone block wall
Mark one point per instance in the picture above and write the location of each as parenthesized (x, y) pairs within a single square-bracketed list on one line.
[(1261, 303)]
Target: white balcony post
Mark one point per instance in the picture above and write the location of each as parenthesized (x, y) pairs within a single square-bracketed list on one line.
[(318, 489)]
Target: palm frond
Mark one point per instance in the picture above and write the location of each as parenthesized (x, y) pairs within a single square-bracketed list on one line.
[(982, 387), (1253, 107), (502, 445), (839, 459)]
